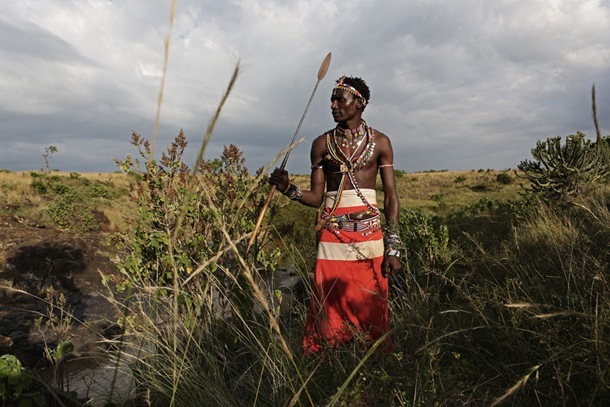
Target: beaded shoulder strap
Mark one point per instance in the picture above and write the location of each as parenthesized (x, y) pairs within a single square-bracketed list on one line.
[(348, 167)]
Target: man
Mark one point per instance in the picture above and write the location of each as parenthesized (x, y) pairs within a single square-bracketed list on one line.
[(350, 292)]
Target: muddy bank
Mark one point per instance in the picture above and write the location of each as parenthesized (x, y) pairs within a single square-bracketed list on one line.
[(36, 260)]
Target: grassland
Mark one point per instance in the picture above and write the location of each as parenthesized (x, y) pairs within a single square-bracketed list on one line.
[(436, 192), (500, 302), (107, 193)]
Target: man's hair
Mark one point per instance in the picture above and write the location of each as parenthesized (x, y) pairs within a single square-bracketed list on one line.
[(360, 86)]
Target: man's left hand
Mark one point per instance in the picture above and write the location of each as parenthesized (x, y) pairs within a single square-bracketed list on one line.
[(390, 265)]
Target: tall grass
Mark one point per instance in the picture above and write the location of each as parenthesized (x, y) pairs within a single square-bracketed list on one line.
[(521, 319)]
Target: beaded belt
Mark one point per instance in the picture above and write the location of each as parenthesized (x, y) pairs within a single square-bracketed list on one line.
[(345, 222)]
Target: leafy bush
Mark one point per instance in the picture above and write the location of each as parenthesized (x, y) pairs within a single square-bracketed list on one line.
[(426, 240), (16, 384), (184, 259), (98, 190), (14, 379), (41, 187), (71, 206), (179, 216), (504, 179), (69, 211), (399, 173)]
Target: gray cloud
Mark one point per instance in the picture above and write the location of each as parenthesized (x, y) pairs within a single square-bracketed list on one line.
[(459, 85)]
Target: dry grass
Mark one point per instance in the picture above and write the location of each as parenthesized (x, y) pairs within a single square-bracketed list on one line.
[(15, 189), (436, 192), (19, 198), (446, 191)]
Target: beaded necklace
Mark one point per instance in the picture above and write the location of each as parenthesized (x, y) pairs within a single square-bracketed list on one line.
[(353, 163), (351, 137), (350, 165)]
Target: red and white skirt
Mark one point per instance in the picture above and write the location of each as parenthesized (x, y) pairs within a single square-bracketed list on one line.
[(350, 296)]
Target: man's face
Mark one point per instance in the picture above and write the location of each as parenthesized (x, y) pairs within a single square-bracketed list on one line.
[(344, 105)]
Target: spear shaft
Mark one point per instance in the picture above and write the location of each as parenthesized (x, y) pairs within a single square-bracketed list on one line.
[(321, 74)]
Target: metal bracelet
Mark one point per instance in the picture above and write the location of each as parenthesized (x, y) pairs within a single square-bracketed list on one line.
[(392, 252), (294, 192)]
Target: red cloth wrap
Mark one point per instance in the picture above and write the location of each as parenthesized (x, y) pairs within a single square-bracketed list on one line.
[(350, 296)]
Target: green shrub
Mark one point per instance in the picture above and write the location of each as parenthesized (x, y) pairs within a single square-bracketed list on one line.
[(426, 240), (41, 187), (61, 189), (481, 187), (98, 190), (563, 171), (69, 211), (16, 384), (504, 179), (399, 173)]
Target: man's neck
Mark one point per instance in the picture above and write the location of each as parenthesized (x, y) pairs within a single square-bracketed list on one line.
[(351, 124)]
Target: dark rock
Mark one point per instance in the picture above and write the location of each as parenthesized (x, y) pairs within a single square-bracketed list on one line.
[(36, 261)]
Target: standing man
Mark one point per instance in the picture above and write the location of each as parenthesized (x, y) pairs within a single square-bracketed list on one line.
[(350, 291)]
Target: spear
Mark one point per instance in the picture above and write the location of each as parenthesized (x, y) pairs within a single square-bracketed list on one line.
[(321, 74)]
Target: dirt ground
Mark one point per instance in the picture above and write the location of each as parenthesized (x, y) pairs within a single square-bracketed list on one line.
[(36, 258)]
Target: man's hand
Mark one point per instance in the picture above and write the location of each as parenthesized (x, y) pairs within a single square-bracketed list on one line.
[(280, 179), (390, 265)]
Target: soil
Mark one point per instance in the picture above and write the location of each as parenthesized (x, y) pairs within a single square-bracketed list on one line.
[(36, 259)]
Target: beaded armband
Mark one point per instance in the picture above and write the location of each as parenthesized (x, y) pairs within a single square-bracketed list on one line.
[(294, 192), (393, 243)]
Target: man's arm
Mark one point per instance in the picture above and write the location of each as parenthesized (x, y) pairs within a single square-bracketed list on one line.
[(391, 206), (315, 194)]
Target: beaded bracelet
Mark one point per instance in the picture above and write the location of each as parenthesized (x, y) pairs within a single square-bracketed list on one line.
[(294, 192), (392, 243)]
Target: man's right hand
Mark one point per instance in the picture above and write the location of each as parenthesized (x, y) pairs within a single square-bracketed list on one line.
[(280, 179)]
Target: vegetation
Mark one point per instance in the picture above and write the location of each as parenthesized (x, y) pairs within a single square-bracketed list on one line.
[(77, 202), (504, 298), (514, 310), (562, 172)]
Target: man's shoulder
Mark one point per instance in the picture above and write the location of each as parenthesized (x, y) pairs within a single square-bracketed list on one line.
[(379, 133), (321, 137)]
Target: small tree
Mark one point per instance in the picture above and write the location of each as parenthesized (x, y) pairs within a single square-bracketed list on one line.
[(561, 172), (47, 156)]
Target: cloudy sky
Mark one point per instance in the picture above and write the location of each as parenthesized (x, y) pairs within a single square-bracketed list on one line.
[(456, 84)]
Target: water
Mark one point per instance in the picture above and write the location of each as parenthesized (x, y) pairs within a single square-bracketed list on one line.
[(97, 381)]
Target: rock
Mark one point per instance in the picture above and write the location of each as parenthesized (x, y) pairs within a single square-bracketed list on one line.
[(5, 343), (35, 261)]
